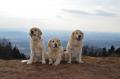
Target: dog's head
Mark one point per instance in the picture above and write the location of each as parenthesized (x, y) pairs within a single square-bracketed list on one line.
[(35, 33), (54, 43), (77, 35)]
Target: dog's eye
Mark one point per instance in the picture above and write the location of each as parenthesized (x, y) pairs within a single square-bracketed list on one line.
[(57, 40), (76, 32), (53, 41)]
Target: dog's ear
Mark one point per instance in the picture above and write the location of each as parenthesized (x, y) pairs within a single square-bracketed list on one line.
[(49, 43), (31, 32), (59, 42), (73, 35), (40, 32), (82, 34)]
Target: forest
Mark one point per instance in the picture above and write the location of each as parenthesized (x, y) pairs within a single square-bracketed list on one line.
[(9, 51)]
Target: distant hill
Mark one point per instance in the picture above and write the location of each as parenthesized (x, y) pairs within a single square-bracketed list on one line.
[(97, 39)]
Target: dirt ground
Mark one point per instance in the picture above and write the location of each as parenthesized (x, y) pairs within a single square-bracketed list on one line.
[(93, 68)]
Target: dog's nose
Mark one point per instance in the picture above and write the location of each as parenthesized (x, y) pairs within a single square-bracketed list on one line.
[(32, 32), (79, 36), (55, 45)]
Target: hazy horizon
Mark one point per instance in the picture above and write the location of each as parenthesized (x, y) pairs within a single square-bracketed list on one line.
[(26, 30), (92, 39)]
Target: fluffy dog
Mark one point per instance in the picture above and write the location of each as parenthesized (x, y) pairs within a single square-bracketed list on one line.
[(74, 47), (55, 51), (37, 47)]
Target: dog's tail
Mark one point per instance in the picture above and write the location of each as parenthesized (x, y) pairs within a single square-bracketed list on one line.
[(24, 61)]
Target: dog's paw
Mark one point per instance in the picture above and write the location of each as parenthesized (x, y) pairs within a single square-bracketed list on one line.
[(81, 62), (55, 64), (24, 61), (69, 62), (50, 62), (29, 62), (43, 62)]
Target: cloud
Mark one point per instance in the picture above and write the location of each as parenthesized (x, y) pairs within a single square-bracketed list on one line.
[(75, 11), (104, 13), (95, 12)]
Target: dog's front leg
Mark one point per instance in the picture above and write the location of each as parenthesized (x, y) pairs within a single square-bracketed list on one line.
[(69, 57), (50, 61), (30, 61), (43, 57), (79, 58), (58, 60)]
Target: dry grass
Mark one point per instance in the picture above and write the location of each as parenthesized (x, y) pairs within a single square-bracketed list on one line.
[(93, 68)]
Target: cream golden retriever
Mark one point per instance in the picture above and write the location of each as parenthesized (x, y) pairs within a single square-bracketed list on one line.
[(37, 47), (74, 47), (55, 51)]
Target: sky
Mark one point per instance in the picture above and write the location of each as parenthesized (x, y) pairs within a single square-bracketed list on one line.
[(87, 15)]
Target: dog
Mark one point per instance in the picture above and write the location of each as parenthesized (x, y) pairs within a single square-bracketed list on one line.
[(55, 51), (37, 47), (74, 47)]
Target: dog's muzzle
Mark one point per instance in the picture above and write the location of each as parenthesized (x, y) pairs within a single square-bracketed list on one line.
[(55, 45), (33, 34), (79, 37)]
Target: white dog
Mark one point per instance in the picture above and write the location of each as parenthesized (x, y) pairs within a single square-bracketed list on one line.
[(74, 47), (37, 47), (55, 51)]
